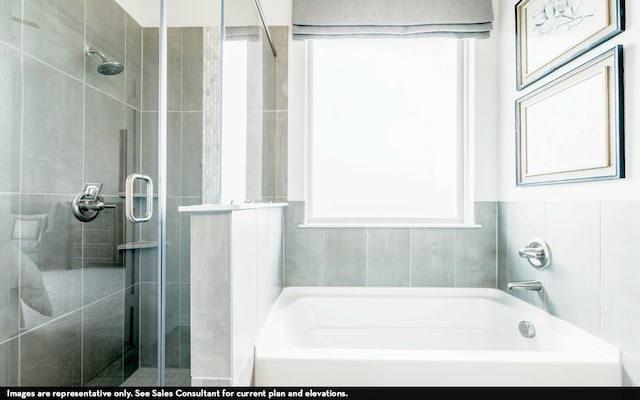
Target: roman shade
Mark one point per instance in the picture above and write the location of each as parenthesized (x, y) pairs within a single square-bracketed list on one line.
[(335, 19)]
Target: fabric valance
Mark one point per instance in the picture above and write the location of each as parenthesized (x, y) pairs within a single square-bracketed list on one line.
[(322, 19)]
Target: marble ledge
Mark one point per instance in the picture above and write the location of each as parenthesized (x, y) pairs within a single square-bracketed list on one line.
[(223, 208)]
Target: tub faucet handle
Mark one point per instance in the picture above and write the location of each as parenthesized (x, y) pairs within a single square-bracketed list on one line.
[(530, 252), (537, 253)]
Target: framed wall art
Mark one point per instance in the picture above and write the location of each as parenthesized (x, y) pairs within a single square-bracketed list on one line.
[(550, 33), (572, 129)]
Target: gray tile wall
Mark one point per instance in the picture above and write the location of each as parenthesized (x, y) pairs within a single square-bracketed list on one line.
[(432, 257), (345, 257), (239, 261), (106, 31), (44, 350), (391, 257), (244, 259), (211, 317), (11, 100), (58, 40), (388, 257), (274, 141), (10, 33), (52, 142), (592, 281)]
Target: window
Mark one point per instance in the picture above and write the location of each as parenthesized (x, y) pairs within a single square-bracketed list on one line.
[(386, 142)]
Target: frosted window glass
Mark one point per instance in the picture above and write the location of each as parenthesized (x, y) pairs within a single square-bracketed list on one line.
[(385, 123)]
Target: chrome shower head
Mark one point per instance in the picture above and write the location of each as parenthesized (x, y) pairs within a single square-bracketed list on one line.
[(110, 68), (107, 67)]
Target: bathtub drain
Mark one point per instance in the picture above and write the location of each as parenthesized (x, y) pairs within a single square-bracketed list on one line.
[(527, 329)]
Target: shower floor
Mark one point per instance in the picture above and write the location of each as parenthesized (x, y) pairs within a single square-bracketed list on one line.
[(127, 366)]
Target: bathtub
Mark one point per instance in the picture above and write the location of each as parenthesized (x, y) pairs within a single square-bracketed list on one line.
[(424, 337)]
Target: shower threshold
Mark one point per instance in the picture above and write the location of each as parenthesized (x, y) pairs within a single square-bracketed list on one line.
[(146, 377)]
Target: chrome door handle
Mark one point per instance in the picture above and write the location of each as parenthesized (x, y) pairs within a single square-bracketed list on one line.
[(130, 195)]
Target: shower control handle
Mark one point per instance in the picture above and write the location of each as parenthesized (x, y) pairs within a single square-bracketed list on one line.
[(537, 253), (86, 205)]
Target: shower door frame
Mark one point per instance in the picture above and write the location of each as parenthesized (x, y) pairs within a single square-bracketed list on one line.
[(162, 191)]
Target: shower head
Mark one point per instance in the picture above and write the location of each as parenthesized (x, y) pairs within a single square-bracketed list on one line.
[(110, 68), (107, 67)]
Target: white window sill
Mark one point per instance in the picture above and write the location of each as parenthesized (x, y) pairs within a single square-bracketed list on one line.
[(388, 225)]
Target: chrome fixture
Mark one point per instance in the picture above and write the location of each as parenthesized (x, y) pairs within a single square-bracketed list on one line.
[(537, 253), (87, 204), (526, 285), (527, 329), (107, 67), (129, 195)]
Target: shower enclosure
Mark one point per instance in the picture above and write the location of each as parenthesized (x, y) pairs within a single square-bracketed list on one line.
[(110, 119)]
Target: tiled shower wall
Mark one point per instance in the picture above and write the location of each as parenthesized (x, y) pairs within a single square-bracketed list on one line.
[(403, 257), (62, 295), (275, 151), (592, 281)]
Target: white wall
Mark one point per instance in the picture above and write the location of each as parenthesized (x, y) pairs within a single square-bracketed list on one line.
[(179, 12), (234, 123), (625, 189), (278, 12)]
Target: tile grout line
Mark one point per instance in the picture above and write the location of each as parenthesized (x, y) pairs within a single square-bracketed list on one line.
[(323, 272), (366, 258), (410, 257), (455, 250), (12, 47)]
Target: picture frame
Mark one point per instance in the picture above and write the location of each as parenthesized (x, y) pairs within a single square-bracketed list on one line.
[(551, 33), (572, 129)]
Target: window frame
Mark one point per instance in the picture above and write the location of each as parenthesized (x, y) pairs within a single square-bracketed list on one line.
[(465, 210)]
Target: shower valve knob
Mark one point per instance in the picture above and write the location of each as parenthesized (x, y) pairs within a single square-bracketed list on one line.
[(86, 205)]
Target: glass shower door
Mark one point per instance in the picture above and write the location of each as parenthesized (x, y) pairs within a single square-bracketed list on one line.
[(71, 130), (88, 297), (181, 51), (180, 40)]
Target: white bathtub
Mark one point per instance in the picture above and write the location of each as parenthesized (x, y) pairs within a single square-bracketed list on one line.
[(423, 337)]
